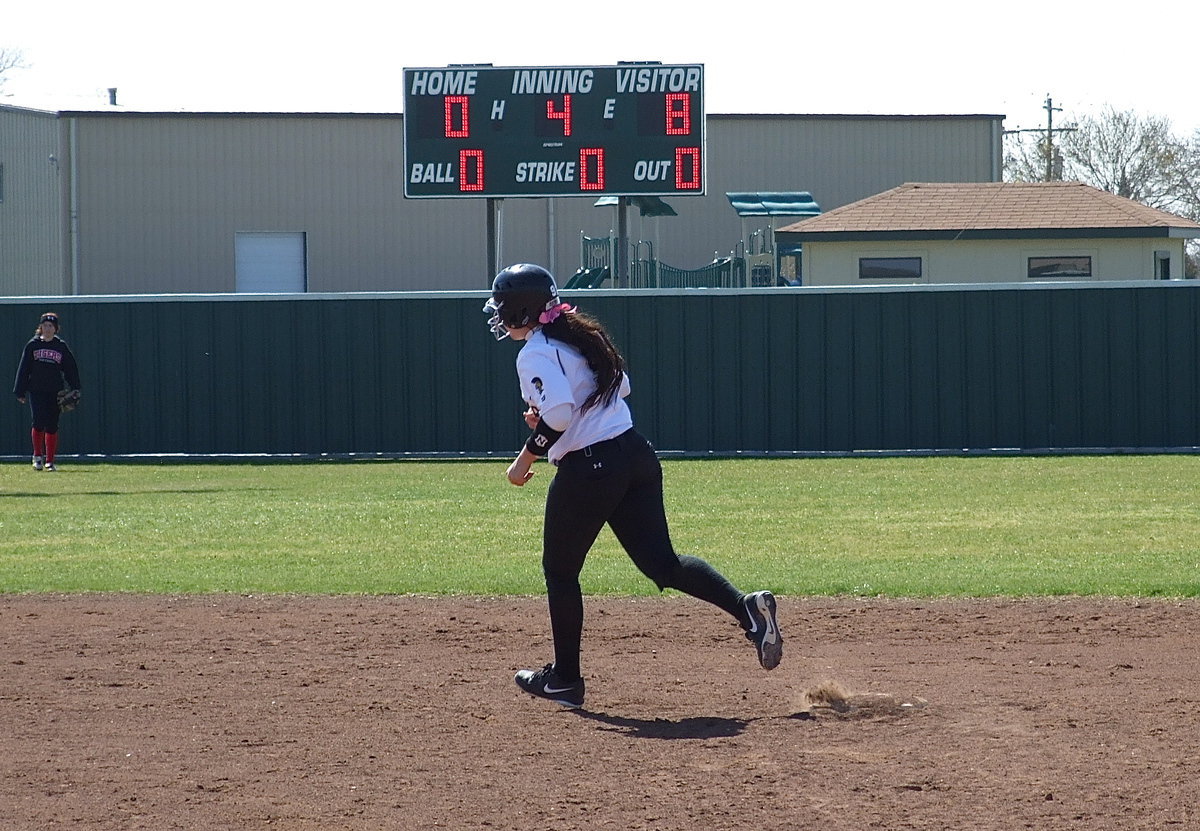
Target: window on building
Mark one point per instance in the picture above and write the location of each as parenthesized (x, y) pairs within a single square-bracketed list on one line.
[(1055, 267), (889, 268)]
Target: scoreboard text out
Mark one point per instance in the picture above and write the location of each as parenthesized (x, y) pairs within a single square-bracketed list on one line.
[(627, 130)]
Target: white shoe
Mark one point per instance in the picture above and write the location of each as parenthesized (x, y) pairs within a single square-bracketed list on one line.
[(50, 468), (39, 462)]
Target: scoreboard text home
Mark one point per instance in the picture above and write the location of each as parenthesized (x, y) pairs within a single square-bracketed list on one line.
[(626, 130)]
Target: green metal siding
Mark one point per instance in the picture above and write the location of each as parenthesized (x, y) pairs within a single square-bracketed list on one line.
[(774, 370)]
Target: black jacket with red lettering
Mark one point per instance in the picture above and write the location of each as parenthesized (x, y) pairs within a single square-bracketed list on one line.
[(44, 365)]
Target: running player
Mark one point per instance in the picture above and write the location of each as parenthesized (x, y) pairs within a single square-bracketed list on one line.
[(574, 381)]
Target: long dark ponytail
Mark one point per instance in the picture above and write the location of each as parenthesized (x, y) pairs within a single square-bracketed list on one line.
[(588, 336)]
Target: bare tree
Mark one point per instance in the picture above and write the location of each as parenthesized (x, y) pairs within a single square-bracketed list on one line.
[(1025, 157), (1139, 158), (1121, 152), (10, 59), (1187, 179), (1188, 191)]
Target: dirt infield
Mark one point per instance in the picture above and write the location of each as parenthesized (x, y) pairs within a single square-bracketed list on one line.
[(223, 712)]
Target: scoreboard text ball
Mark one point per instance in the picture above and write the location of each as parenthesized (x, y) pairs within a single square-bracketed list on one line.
[(626, 130)]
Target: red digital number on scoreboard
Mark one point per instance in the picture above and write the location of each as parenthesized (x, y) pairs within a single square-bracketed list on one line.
[(563, 115), (687, 168), (591, 168), (470, 170), (679, 113), (456, 111)]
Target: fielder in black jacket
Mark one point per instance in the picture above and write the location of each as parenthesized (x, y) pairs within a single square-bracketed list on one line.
[(46, 363)]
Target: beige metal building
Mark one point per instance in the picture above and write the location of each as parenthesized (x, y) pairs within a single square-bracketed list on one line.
[(972, 232), (119, 202), (33, 253)]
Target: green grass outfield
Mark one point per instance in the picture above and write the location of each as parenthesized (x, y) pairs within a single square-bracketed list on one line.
[(911, 527)]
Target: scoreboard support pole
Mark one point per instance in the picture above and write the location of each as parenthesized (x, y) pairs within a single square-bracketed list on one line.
[(620, 252), (494, 230)]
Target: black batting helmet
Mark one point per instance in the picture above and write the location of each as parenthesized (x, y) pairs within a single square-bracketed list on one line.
[(520, 293)]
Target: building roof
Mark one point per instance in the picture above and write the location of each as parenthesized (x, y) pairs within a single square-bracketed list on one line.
[(992, 210)]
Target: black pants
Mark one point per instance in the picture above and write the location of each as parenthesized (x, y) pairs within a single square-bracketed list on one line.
[(44, 407), (618, 482)]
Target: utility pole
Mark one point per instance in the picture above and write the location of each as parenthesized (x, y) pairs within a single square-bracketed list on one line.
[(1050, 110), (1048, 136)]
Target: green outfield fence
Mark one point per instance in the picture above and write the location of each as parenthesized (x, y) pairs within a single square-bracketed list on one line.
[(1025, 368)]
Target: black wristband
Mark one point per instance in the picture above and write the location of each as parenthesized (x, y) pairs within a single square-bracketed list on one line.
[(542, 439)]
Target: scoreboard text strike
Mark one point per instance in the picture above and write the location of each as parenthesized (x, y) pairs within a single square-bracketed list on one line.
[(628, 130)]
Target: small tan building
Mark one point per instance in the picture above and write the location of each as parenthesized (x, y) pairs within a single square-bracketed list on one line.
[(990, 232)]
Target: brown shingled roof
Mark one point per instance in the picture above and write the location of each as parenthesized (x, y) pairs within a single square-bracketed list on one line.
[(991, 206)]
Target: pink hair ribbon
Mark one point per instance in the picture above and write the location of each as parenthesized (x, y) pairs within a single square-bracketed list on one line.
[(551, 314)]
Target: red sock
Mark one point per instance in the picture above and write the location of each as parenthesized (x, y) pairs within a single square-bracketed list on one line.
[(39, 442), (51, 446)]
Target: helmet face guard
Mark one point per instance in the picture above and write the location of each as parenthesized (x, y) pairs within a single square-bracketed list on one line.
[(495, 323)]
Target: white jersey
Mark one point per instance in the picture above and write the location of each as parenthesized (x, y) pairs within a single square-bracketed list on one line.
[(552, 373)]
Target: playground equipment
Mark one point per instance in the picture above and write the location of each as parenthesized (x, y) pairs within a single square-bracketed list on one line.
[(755, 261), (647, 272)]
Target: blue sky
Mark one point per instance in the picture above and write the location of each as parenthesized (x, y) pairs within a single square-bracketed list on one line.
[(919, 57)]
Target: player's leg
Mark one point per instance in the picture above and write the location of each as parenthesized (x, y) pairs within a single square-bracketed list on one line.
[(640, 524), (48, 415), (44, 409), (39, 447), (577, 505), (51, 449)]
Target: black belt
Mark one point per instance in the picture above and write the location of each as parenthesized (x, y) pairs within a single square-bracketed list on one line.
[(592, 448)]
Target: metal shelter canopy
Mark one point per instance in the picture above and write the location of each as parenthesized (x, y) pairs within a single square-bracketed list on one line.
[(774, 203)]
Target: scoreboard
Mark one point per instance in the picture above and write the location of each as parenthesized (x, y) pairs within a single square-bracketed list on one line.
[(628, 130)]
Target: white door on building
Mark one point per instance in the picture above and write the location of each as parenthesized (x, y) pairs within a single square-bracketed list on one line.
[(270, 261)]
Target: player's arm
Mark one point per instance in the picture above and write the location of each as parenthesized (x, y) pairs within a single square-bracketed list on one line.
[(21, 384), (548, 429), (521, 469)]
